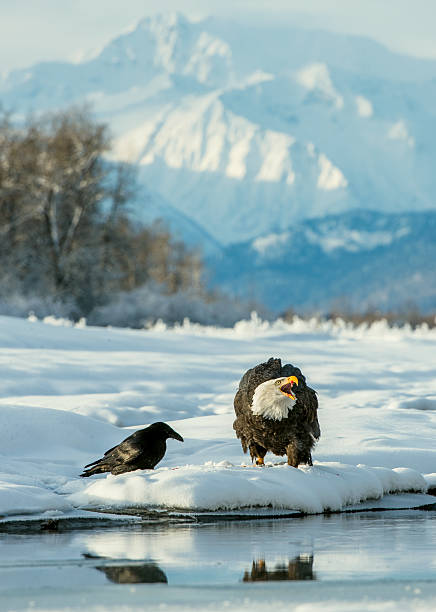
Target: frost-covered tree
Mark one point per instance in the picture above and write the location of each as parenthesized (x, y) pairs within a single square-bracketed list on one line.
[(64, 228)]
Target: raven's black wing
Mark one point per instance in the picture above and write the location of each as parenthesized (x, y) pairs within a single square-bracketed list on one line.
[(126, 451)]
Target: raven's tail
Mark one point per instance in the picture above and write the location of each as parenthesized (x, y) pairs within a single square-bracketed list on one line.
[(99, 468)]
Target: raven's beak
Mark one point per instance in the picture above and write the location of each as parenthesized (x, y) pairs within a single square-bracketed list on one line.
[(176, 436), (286, 388)]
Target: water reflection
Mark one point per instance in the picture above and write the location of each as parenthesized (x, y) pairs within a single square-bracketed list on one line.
[(299, 568), (170, 545), (366, 546), (129, 573), (133, 574)]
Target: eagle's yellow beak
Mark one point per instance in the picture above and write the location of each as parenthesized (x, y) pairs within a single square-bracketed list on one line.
[(286, 388)]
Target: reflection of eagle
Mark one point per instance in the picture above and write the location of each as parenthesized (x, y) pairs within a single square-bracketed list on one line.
[(140, 451), (276, 411), (299, 568)]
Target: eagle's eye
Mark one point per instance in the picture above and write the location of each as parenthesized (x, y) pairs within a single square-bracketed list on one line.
[(278, 382)]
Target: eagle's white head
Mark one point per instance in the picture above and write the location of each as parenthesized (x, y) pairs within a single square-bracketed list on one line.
[(274, 398)]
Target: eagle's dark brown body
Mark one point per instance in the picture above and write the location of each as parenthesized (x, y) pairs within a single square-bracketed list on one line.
[(293, 436)]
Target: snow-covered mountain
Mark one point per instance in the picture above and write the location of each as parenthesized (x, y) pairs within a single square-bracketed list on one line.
[(356, 260), (245, 132)]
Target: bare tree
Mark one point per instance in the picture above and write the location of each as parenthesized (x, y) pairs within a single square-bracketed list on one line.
[(64, 226)]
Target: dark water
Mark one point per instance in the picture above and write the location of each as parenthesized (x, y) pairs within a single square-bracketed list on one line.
[(347, 547)]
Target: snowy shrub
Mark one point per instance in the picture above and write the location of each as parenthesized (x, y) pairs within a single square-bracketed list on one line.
[(18, 305), (144, 306)]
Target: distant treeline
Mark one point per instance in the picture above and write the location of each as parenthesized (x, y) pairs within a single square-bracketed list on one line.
[(66, 237)]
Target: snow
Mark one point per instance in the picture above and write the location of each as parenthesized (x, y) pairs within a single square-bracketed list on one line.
[(68, 393), (364, 107), (353, 240), (269, 244), (399, 131), (330, 177), (316, 78), (223, 486), (276, 164)]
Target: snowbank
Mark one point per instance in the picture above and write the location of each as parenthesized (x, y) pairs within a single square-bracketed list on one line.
[(256, 326), (222, 486), (69, 393)]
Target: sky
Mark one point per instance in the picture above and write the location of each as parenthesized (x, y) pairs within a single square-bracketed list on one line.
[(41, 30)]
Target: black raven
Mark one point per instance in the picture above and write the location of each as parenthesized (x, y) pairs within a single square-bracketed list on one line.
[(140, 451)]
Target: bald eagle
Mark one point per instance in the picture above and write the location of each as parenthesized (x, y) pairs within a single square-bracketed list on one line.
[(277, 412), (140, 451)]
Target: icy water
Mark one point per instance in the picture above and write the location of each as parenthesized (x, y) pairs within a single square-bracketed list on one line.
[(353, 548)]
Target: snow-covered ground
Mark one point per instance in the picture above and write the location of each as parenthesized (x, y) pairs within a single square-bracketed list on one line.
[(69, 393)]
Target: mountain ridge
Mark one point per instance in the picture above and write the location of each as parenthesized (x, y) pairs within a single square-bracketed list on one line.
[(358, 260)]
